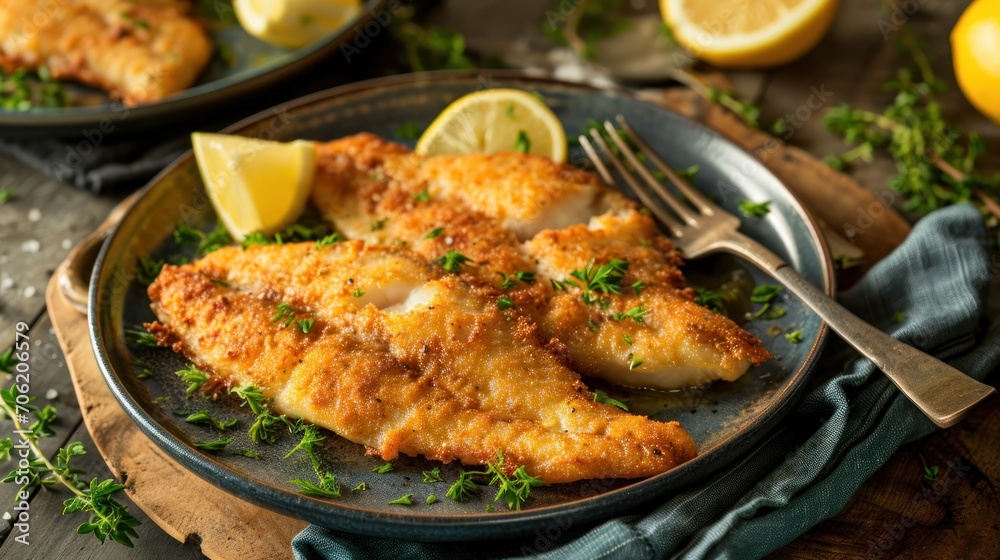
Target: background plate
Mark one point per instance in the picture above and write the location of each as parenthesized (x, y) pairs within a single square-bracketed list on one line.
[(254, 65), (724, 418)]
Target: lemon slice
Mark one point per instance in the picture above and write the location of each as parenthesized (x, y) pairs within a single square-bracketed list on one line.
[(293, 23), (741, 33), (496, 120), (255, 185)]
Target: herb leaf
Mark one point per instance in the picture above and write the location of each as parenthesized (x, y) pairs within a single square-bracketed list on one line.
[(755, 209), (602, 397)]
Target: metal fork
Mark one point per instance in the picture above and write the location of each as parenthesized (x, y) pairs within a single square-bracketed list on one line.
[(699, 227)]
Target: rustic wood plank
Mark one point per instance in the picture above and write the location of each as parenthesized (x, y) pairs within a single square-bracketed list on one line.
[(38, 227), (53, 535)]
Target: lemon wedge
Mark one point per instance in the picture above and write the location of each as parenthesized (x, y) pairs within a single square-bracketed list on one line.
[(255, 185), (745, 34), (293, 23), (496, 120)]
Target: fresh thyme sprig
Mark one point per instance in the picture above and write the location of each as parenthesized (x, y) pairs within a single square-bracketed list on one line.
[(606, 278), (108, 518), (936, 162), (514, 489), (141, 338), (218, 238)]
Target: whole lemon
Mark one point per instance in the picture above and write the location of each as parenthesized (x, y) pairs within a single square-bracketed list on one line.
[(975, 49)]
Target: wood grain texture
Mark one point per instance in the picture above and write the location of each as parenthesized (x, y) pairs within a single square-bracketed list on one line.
[(186, 507), (38, 226)]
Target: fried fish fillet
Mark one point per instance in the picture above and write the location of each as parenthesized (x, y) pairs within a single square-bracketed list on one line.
[(426, 365), (139, 51), (483, 206)]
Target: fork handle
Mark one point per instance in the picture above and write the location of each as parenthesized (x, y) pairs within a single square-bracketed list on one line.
[(940, 391)]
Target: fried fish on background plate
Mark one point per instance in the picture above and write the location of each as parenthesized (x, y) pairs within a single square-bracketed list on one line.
[(485, 206), (423, 363), (139, 51)]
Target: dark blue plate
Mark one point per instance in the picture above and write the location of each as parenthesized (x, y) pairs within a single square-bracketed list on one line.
[(725, 419)]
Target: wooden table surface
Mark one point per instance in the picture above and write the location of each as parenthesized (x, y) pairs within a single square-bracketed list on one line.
[(895, 514)]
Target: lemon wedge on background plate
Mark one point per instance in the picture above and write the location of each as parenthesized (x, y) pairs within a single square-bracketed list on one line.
[(255, 185), (293, 23), (496, 120), (748, 34)]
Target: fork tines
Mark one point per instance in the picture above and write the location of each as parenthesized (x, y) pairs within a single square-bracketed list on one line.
[(627, 157)]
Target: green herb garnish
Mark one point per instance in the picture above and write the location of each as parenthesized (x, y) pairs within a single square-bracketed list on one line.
[(602, 397)]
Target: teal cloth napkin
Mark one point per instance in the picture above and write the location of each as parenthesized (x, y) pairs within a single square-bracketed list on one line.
[(807, 469)]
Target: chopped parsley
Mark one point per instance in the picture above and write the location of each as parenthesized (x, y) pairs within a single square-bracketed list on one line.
[(357, 292), (306, 325), (755, 209), (523, 143), (383, 468), (6, 195), (767, 294), (434, 233), (712, 301), (602, 397), (379, 224), (628, 339), (408, 131), (504, 303), (141, 338), (203, 417), (898, 317), (214, 445), (452, 261), (193, 376), (636, 314), (638, 286), (361, 487), (422, 196), (794, 337), (633, 362), (432, 476), (432, 499), (404, 500), (147, 269), (328, 240), (285, 314), (510, 280)]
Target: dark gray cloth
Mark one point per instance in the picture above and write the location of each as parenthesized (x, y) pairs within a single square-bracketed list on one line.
[(807, 469)]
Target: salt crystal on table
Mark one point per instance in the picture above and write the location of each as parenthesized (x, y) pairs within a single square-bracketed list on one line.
[(34, 215), (28, 292), (6, 516), (67, 244), (31, 246), (6, 282), (51, 394)]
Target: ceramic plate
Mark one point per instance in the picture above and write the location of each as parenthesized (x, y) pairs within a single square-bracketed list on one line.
[(725, 419), (243, 66)]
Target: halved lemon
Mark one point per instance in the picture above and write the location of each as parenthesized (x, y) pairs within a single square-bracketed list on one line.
[(255, 185), (293, 23), (496, 120), (748, 33)]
